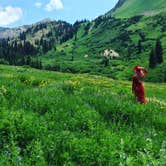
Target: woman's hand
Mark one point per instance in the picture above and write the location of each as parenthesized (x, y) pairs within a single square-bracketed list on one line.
[(144, 70)]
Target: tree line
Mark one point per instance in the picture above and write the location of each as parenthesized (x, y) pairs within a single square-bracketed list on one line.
[(156, 55), (16, 51), (13, 51)]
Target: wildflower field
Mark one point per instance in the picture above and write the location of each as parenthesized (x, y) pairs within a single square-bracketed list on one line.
[(50, 118)]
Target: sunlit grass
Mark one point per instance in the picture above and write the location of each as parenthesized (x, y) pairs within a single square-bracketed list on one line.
[(51, 118)]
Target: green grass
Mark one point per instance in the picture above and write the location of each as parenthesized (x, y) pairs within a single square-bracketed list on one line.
[(117, 34), (51, 118), (136, 7)]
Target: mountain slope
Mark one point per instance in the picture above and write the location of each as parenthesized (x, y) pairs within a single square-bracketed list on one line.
[(81, 48), (15, 32), (129, 8), (133, 38), (44, 25), (32, 40)]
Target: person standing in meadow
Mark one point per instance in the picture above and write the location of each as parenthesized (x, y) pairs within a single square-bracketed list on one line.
[(137, 84)]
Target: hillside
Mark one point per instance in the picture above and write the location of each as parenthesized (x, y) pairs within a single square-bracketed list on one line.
[(82, 47), (50, 118), (29, 41), (131, 38), (49, 31), (129, 8), (15, 32), (118, 5)]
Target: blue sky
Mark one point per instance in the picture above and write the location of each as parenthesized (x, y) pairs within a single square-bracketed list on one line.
[(21, 12)]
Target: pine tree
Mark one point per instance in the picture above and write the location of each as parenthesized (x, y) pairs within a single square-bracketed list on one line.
[(128, 54), (139, 47), (75, 37), (40, 64), (106, 61), (159, 52), (28, 60), (22, 61), (152, 59)]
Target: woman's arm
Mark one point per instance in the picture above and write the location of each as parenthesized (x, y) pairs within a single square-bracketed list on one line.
[(144, 71)]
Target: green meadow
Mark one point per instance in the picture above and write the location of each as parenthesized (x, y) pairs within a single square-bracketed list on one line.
[(51, 118)]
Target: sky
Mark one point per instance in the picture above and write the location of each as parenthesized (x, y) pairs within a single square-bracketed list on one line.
[(14, 13)]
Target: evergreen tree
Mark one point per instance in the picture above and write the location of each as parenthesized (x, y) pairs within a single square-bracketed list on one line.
[(106, 61), (165, 76), (139, 47), (73, 50), (22, 61), (72, 58), (128, 53), (28, 60), (55, 48), (40, 64), (86, 29), (152, 59), (75, 37), (159, 52)]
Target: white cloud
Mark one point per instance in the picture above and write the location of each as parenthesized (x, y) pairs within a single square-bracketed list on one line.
[(10, 15), (54, 5), (38, 4)]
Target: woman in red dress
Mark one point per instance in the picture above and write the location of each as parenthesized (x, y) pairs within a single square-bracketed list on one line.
[(137, 85)]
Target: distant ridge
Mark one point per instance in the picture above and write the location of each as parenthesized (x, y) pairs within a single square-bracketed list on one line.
[(15, 32), (12, 32)]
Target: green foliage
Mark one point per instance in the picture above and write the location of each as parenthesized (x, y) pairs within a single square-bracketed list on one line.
[(159, 52), (133, 38), (3, 61), (156, 55), (50, 118), (79, 47), (134, 7), (159, 71), (152, 59)]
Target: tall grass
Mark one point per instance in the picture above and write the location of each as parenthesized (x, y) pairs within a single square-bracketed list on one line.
[(49, 118)]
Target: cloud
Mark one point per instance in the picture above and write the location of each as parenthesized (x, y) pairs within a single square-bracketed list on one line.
[(54, 5), (38, 4), (10, 15)]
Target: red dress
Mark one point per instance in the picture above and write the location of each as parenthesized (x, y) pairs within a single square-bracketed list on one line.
[(138, 89)]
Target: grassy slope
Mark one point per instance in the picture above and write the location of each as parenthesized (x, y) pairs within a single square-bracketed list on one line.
[(111, 33), (137, 7), (50, 118)]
